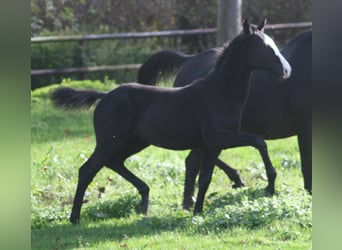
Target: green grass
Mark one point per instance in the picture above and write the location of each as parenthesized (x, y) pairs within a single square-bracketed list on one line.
[(232, 219)]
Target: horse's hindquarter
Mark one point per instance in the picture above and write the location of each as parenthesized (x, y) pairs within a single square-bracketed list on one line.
[(115, 114)]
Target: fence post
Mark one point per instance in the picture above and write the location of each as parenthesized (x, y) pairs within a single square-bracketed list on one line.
[(228, 20), (81, 53)]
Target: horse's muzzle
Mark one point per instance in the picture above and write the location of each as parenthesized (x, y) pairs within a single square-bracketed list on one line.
[(286, 72)]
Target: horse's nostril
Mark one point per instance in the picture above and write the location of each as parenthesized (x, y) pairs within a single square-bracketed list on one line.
[(286, 73)]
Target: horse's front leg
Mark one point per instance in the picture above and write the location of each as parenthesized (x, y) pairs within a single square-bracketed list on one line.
[(229, 139), (192, 166), (206, 171)]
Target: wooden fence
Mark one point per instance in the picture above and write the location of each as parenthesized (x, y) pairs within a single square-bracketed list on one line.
[(134, 35)]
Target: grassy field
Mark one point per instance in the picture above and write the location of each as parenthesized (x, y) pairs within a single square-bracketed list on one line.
[(232, 219)]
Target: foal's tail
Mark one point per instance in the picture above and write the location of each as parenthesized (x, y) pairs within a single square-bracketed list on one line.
[(74, 99), (161, 65)]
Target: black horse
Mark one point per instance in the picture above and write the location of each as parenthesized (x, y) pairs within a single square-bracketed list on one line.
[(274, 109), (203, 116)]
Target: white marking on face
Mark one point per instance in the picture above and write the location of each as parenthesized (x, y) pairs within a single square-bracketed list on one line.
[(286, 66)]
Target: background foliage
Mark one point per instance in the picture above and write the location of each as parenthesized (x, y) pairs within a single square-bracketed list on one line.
[(67, 17), (93, 16)]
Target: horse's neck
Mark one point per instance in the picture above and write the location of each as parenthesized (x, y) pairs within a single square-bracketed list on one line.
[(233, 78)]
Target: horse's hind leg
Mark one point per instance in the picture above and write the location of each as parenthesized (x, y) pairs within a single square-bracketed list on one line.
[(85, 175), (117, 164), (232, 173), (305, 148), (142, 187)]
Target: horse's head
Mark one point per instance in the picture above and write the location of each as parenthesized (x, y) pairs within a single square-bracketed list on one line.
[(263, 54)]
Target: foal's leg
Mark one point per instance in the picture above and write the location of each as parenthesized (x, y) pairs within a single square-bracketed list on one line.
[(142, 187), (134, 145), (192, 165), (232, 173), (270, 170), (231, 139), (85, 175), (206, 172)]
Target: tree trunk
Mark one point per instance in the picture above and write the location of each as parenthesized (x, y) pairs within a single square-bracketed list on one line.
[(228, 20)]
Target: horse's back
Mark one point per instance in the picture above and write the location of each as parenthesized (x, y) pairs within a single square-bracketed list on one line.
[(301, 83), (198, 66), (146, 110), (302, 39)]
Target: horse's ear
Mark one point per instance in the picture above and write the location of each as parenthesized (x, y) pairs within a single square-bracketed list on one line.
[(246, 27), (262, 24)]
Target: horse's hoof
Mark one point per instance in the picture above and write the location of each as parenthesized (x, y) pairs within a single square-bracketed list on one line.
[(143, 209), (309, 190), (145, 213), (198, 212), (238, 185), (74, 220), (269, 191), (188, 205)]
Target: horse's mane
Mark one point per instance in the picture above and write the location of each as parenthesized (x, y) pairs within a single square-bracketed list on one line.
[(228, 48), (231, 46)]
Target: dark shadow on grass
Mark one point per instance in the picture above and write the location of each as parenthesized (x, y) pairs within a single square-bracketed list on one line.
[(94, 229), (93, 232), (235, 197)]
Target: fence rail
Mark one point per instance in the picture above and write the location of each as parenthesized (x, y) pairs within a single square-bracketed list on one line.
[(134, 35), (35, 72)]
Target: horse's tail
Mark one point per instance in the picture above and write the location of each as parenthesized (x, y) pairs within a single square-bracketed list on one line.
[(74, 99), (161, 65)]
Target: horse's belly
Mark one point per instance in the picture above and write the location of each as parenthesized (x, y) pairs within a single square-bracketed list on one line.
[(169, 135), (174, 142), (270, 127), (180, 145)]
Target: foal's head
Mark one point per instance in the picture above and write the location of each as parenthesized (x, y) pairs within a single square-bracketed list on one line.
[(262, 52)]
